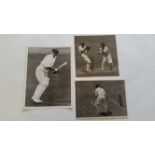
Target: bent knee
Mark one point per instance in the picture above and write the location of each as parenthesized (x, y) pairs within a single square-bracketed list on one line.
[(89, 62), (45, 82)]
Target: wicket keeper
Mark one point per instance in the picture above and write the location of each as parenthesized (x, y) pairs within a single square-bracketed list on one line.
[(105, 52)]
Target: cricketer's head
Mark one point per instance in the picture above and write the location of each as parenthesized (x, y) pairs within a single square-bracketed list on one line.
[(97, 86), (82, 44), (103, 45), (55, 52)]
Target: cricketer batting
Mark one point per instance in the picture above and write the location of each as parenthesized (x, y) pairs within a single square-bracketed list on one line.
[(83, 50), (41, 74)]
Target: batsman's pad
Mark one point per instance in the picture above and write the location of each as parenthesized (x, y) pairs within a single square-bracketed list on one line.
[(86, 58), (109, 58), (45, 82)]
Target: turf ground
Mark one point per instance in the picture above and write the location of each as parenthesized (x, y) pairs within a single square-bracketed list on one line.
[(95, 43), (85, 98), (59, 91)]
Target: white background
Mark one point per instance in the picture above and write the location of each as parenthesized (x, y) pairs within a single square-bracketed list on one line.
[(74, 17)]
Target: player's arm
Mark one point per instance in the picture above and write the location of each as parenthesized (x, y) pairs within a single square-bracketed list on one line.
[(96, 94), (86, 49), (51, 68), (99, 51), (82, 50), (105, 93), (55, 70)]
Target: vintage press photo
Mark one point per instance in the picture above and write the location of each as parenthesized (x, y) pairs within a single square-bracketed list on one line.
[(96, 56), (48, 77), (101, 99)]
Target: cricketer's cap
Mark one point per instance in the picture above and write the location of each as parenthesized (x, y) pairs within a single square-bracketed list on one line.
[(97, 85), (55, 51)]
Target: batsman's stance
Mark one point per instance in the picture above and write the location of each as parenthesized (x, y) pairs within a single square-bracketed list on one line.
[(83, 50), (104, 51), (42, 75), (101, 102)]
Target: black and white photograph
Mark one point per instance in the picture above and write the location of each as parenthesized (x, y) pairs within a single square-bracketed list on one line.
[(96, 56), (48, 77), (105, 99)]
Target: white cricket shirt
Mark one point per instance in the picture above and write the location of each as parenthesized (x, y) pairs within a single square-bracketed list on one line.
[(48, 61), (100, 92)]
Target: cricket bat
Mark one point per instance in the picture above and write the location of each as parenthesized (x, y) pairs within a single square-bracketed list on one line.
[(62, 65)]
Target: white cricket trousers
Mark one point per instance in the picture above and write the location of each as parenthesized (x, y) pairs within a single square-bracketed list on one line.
[(106, 59), (41, 74), (101, 104), (87, 60)]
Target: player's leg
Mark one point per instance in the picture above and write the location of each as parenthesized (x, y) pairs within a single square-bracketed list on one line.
[(43, 84), (99, 106), (97, 109), (103, 63), (103, 109), (110, 62), (88, 64), (92, 64), (96, 106), (88, 67), (39, 76), (40, 89)]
